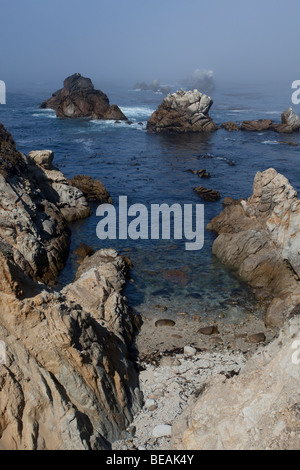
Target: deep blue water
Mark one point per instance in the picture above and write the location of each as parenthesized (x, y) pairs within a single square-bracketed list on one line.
[(152, 169)]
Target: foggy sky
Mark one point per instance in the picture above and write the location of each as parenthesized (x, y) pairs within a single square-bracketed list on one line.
[(118, 41)]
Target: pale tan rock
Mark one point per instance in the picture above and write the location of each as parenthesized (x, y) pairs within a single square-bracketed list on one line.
[(253, 411), (260, 239)]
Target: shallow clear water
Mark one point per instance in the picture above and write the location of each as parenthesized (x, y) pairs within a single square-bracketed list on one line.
[(152, 169)]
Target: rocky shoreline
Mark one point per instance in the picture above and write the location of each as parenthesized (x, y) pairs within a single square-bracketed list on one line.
[(68, 381)]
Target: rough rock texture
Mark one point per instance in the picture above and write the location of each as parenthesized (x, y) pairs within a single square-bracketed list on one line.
[(67, 382), (183, 112), (257, 410), (290, 123), (36, 202), (230, 126), (93, 190), (78, 98), (260, 239)]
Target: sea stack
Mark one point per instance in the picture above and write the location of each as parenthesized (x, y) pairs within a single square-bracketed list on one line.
[(79, 99), (181, 112)]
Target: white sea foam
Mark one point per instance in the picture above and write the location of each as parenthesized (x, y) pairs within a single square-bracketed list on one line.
[(43, 115), (137, 112), (270, 142)]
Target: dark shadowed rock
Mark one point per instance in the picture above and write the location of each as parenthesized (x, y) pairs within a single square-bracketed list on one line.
[(209, 330), (201, 173), (207, 194), (78, 99), (93, 190), (183, 112), (256, 338)]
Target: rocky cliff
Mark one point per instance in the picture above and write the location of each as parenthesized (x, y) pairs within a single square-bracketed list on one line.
[(183, 112), (78, 98), (67, 381)]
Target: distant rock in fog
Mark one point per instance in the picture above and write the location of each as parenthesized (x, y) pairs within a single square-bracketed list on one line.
[(154, 86), (183, 111), (78, 98), (201, 80)]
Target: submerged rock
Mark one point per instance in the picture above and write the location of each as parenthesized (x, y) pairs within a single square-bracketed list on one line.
[(78, 98), (207, 194), (230, 126), (183, 112)]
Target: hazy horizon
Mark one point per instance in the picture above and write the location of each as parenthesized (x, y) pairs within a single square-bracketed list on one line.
[(126, 42)]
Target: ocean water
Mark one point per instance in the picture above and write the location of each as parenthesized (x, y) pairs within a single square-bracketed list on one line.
[(152, 169)]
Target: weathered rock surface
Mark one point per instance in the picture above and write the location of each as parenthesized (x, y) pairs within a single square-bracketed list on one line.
[(78, 98), (36, 203), (290, 123), (256, 410), (260, 239), (67, 382), (183, 112), (93, 190)]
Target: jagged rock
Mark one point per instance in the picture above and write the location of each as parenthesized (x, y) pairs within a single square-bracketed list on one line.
[(230, 126), (290, 122), (207, 194), (35, 203), (256, 410), (260, 239), (93, 190), (75, 387), (183, 112), (78, 98)]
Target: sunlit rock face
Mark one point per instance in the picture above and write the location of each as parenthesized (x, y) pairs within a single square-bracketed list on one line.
[(183, 111)]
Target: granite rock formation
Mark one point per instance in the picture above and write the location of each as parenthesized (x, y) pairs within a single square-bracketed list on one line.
[(260, 239), (182, 112), (78, 99)]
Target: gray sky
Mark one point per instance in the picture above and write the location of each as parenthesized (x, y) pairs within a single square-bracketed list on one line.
[(43, 41)]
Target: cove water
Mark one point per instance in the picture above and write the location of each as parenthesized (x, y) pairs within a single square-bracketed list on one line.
[(152, 169)]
